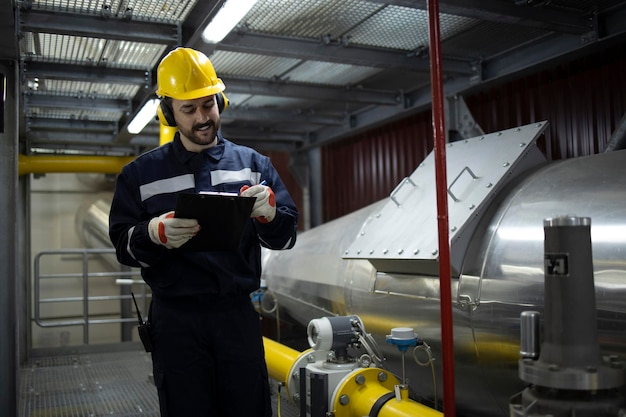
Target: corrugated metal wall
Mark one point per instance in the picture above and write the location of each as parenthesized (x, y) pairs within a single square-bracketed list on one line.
[(366, 168), (583, 102)]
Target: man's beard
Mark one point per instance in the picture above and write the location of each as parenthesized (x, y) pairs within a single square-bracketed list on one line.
[(201, 137)]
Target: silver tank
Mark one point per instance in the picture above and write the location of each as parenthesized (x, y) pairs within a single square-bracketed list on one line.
[(497, 264)]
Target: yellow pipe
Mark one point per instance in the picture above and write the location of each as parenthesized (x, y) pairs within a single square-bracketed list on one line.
[(43, 164), (279, 359), (407, 408), (357, 394)]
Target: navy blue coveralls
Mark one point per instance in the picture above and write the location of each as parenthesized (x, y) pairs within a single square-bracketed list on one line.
[(208, 355)]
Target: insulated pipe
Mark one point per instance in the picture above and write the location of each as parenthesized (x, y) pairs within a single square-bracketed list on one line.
[(445, 275), (43, 164), (365, 392)]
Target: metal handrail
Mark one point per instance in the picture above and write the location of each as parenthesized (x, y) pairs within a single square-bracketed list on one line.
[(85, 321)]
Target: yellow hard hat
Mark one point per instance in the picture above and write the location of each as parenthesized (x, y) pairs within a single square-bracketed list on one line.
[(187, 74)]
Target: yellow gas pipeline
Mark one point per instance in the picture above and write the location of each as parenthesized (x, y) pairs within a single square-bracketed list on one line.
[(43, 164), (279, 359), (367, 390)]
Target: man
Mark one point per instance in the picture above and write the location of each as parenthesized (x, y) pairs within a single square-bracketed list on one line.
[(207, 352)]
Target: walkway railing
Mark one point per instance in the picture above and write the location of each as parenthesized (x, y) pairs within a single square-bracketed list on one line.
[(124, 278)]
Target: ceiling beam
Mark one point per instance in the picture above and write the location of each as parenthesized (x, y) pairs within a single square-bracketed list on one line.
[(277, 116), (315, 50), (554, 49), (92, 26), (37, 138), (322, 93), (76, 103), (197, 19), (507, 12), (88, 73), (44, 123), (551, 50), (237, 85)]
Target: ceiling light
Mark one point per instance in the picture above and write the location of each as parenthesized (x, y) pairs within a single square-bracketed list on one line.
[(147, 113), (226, 19)]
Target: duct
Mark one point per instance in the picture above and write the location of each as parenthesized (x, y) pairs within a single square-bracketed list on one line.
[(500, 275)]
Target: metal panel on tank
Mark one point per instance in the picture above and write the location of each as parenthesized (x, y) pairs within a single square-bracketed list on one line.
[(403, 235)]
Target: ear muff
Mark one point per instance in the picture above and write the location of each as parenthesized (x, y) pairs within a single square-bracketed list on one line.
[(222, 101), (166, 114)]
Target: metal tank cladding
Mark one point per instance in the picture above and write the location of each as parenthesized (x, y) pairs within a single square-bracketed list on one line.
[(380, 262)]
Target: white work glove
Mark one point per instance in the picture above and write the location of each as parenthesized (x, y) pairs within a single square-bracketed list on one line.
[(170, 231), (264, 209)]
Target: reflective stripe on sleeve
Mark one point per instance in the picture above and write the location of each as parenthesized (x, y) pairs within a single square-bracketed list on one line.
[(167, 185), (222, 176)]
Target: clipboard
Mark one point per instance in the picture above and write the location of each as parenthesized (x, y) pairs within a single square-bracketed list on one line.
[(222, 219)]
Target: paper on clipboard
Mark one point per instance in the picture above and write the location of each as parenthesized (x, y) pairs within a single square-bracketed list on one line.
[(222, 219)]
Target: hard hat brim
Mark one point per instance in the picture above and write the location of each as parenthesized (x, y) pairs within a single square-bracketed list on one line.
[(199, 93)]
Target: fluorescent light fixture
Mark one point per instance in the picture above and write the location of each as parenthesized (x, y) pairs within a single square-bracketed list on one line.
[(147, 113), (226, 19)]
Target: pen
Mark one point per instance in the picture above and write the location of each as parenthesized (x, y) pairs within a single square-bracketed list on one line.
[(245, 187)]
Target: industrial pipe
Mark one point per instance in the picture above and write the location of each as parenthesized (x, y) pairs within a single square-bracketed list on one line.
[(374, 392), (366, 391), (279, 359), (445, 274), (43, 164)]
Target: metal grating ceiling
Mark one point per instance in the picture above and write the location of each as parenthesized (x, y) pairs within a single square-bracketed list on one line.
[(309, 18), (163, 10), (298, 73)]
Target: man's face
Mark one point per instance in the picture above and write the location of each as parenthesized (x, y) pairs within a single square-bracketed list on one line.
[(198, 121)]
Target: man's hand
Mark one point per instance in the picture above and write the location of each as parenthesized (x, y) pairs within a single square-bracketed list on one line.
[(172, 232), (264, 208)]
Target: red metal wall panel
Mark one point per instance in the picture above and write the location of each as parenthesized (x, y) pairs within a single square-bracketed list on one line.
[(364, 169), (583, 101)]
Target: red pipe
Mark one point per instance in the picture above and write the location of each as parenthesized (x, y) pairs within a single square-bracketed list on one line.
[(445, 276)]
